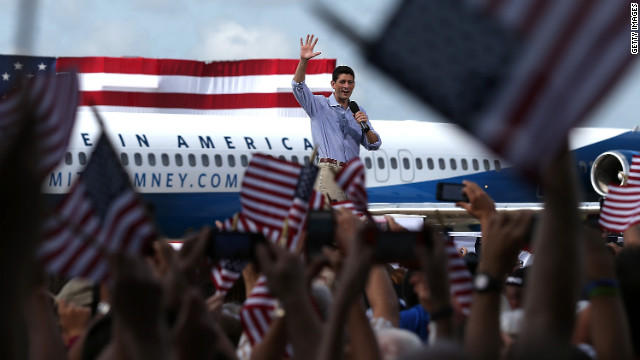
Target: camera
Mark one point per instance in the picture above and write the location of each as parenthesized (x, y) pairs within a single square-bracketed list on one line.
[(398, 246), (320, 232), (451, 192), (233, 245), (390, 246)]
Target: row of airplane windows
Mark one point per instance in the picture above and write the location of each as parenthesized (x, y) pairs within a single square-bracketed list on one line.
[(205, 160)]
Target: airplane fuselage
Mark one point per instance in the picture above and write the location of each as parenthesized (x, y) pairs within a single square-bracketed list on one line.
[(189, 168)]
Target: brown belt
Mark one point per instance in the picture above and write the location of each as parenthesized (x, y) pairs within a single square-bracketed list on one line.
[(332, 161)]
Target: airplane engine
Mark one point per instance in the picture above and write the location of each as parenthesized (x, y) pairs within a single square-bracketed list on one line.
[(611, 167)]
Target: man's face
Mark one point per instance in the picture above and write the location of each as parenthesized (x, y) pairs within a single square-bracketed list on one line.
[(343, 87)]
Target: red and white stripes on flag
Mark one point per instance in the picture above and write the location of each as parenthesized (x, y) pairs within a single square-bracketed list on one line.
[(573, 53), (459, 277), (52, 100), (351, 179), (621, 207), (100, 215), (258, 87), (268, 189), (257, 311), (634, 171), (348, 204), (297, 219)]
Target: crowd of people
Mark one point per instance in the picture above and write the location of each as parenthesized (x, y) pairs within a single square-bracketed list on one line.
[(577, 300)]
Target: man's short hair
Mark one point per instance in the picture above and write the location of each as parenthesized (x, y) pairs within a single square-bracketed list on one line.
[(342, 69)]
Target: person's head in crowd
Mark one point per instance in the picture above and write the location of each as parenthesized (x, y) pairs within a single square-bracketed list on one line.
[(395, 342), (628, 274), (514, 287)]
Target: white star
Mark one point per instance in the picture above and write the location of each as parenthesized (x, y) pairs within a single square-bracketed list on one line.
[(42, 67), (17, 66), (5, 77), (30, 75)]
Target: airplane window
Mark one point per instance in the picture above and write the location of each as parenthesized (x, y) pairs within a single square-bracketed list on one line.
[(367, 162), (419, 163), (453, 163), (487, 165), (137, 158), (497, 164), (178, 159), (68, 159), (205, 160), (231, 160), (281, 157), (244, 160), (306, 160), (442, 164), (380, 163), (294, 159), (393, 162), (152, 159), (82, 158), (464, 164), (192, 160), (218, 160), (124, 158), (430, 163), (165, 159), (406, 163), (475, 164)]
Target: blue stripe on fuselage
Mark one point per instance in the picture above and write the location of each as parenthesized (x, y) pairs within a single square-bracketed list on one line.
[(176, 213)]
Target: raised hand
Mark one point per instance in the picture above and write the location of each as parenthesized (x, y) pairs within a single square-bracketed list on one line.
[(306, 48), (480, 204), (504, 237)]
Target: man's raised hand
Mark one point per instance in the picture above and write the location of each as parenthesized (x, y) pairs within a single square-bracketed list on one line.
[(306, 48)]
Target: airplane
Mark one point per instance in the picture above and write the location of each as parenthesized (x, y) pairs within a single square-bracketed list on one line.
[(189, 167)]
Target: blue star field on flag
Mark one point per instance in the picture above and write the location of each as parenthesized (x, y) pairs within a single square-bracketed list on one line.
[(13, 68)]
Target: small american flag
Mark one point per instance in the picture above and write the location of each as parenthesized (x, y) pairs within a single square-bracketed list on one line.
[(460, 277), (305, 199), (51, 99), (257, 311), (522, 72), (348, 204), (100, 215), (351, 180), (268, 189), (621, 207)]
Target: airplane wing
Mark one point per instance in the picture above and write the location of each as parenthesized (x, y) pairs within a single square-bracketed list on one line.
[(451, 215)]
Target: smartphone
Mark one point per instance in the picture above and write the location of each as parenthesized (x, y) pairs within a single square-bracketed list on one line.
[(320, 232), (233, 245), (399, 246), (451, 192)]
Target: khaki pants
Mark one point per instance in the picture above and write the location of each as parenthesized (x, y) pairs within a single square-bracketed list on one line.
[(326, 183)]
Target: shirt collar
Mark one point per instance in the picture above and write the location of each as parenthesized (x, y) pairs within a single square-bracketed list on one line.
[(332, 101)]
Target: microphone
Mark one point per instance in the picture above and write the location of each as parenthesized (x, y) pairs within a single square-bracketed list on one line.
[(353, 106)]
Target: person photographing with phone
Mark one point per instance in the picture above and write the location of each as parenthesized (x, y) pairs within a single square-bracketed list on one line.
[(338, 125)]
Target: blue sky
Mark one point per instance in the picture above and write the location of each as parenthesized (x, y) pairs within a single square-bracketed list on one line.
[(242, 29)]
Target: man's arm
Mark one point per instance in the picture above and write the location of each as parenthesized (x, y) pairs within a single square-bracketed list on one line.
[(306, 53)]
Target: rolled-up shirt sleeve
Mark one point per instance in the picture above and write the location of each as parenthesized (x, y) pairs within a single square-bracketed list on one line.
[(305, 97), (375, 145)]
